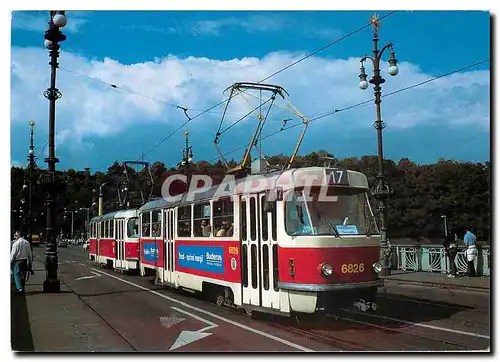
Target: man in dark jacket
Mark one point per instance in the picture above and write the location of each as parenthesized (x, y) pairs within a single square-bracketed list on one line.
[(450, 248)]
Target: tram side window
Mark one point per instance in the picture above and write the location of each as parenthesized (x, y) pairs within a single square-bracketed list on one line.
[(253, 219), (201, 219), (132, 228), (156, 223), (146, 227), (184, 221), (111, 228), (243, 218), (264, 219), (223, 217)]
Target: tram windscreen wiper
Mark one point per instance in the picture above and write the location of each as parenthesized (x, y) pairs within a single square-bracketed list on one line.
[(322, 217)]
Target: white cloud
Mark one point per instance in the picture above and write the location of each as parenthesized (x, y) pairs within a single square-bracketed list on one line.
[(37, 21), (316, 86)]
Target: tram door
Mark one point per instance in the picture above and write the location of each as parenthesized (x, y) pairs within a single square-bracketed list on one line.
[(98, 242), (268, 256), (120, 244), (168, 246), (258, 256)]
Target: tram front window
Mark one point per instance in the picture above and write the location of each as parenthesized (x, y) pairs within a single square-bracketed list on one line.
[(345, 213)]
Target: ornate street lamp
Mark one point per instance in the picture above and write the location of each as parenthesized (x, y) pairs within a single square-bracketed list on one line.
[(53, 37), (31, 167), (381, 191), (187, 156), (445, 225)]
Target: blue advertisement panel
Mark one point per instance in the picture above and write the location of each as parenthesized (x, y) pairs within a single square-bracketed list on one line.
[(150, 252), (204, 258)]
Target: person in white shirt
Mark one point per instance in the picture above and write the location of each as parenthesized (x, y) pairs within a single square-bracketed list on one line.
[(21, 258)]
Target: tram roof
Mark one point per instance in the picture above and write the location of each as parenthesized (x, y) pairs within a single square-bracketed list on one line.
[(351, 179), (107, 216)]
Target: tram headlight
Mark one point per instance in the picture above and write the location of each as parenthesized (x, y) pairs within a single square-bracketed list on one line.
[(326, 269), (377, 267)]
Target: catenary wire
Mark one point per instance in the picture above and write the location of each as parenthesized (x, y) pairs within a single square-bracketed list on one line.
[(143, 154), (357, 105), (277, 72)]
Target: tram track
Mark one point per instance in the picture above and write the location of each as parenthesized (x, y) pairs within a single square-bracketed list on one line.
[(424, 302), (350, 341), (392, 329)]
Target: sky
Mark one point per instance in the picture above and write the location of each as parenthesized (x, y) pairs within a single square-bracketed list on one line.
[(163, 59)]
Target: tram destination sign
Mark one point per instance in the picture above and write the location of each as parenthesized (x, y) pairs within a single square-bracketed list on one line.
[(337, 176)]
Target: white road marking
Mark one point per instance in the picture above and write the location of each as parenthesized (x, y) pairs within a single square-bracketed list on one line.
[(81, 264), (170, 321), (242, 326), (210, 323), (186, 337), (86, 277), (93, 272), (421, 325)]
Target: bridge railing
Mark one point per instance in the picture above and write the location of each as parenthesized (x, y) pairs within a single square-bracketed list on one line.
[(431, 258)]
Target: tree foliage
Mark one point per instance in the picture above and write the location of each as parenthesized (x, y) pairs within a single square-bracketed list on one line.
[(422, 193)]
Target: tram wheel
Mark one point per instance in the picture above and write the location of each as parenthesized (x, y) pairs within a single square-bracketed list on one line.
[(219, 300)]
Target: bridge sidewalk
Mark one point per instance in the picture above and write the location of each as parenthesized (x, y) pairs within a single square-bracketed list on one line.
[(439, 280), (58, 322)]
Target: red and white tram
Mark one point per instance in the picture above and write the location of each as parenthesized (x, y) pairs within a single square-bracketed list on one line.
[(305, 241), (114, 240)]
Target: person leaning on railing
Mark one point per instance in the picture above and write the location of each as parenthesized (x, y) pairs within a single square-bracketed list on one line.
[(470, 252), (450, 249)]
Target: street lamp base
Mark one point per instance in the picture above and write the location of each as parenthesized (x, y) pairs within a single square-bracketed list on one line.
[(51, 286)]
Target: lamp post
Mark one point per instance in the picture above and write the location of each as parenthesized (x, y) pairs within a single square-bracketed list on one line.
[(101, 199), (381, 191), (72, 221), (29, 186), (53, 37), (187, 156), (87, 220), (445, 225)]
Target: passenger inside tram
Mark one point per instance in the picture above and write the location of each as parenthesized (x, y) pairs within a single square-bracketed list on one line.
[(226, 229), (205, 228)]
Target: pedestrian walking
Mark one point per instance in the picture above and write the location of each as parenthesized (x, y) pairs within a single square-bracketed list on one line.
[(450, 249), (21, 258), (470, 252)]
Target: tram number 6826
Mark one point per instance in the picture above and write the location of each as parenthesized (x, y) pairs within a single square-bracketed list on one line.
[(352, 268)]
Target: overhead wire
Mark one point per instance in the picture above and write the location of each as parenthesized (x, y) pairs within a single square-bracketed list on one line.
[(326, 47), (161, 141), (330, 113), (272, 75), (114, 86)]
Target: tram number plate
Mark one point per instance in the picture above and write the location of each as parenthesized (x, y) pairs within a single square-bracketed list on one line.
[(352, 268), (233, 250)]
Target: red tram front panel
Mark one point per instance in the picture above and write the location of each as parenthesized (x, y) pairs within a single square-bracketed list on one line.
[(350, 264), (93, 246), (216, 259)]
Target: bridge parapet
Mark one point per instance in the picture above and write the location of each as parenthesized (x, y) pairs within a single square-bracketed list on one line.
[(431, 258)]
